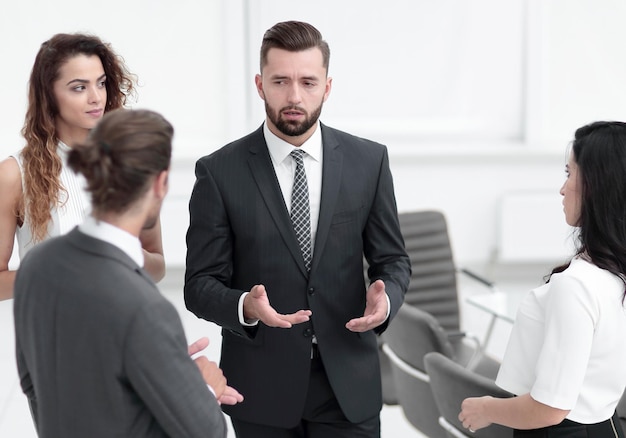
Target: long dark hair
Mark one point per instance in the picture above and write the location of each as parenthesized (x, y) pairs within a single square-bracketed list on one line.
[(121, 156), (599, 150)]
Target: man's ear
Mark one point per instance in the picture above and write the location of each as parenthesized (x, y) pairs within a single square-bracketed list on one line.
[(161, 184), (258, 81), (329, 86)]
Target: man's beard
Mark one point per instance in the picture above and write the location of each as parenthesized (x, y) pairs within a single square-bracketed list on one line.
[(293, 128)]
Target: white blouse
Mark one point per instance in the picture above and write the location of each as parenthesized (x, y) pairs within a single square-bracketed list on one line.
[(73, 206), (568, 345)]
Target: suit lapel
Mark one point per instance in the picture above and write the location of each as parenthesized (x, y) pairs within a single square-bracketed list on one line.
[(263, 172), (331, 181)]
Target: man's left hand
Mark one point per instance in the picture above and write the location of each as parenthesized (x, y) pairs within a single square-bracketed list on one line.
[(375, 309)]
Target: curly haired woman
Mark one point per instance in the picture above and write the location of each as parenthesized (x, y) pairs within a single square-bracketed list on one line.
[(75, 79)]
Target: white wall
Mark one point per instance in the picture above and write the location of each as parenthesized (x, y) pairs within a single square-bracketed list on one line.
[(173, 47), (474, 99)]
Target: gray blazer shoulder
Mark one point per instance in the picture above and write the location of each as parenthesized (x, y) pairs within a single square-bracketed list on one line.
[(83, 308)]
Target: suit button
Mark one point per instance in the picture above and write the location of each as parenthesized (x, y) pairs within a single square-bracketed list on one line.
[(307, 333), (311, 291)]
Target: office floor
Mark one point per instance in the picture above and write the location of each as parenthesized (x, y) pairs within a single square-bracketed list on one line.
[(15, 418)]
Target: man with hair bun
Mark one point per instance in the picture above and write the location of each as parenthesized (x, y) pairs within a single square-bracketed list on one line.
[(100, 352)]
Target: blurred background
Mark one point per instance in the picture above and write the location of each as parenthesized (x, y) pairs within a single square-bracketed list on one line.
[(477, 101)]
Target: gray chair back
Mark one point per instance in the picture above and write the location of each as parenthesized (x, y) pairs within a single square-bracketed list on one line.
[(451, 384), (621, 411), (412, 334), (433, 285)]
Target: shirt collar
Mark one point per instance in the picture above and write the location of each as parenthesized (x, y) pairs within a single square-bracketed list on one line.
[(63, 147), (280, 149), (123, 240), (63, 150)]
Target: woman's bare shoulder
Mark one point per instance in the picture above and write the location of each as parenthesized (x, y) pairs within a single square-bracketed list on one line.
[(10, 175)]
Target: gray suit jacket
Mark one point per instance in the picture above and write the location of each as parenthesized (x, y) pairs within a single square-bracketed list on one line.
[(100, 352), (240, 234)]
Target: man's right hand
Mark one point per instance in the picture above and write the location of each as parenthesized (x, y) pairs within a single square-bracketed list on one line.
[(256, 306), (214, 377)]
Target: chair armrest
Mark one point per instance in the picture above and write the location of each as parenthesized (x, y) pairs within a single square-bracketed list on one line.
[(456, 433), (410, 370), (459, 335), (477, 350), (478, 278)]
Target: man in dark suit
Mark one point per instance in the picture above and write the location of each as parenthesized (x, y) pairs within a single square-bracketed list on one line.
[(279, 223), (100, 352)]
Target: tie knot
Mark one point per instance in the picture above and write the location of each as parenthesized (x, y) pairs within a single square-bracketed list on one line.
[(297, 155)]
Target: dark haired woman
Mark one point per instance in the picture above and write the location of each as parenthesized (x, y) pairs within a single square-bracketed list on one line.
[(565, 358)]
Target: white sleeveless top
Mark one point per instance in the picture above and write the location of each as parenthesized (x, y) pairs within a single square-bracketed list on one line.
[(73, 206)]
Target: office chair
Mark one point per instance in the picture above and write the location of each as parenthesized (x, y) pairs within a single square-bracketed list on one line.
[(621, 411), (412, 335), (433, 285), (451, 383)]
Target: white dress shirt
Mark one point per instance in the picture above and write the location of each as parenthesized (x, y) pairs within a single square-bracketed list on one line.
[(123, 240), (285, 169)]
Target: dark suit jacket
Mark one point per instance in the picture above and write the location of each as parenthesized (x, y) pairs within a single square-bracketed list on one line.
[(240, 234), (100, 352)]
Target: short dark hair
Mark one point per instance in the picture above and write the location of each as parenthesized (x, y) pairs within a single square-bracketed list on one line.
[(294, 36), (122, 153)]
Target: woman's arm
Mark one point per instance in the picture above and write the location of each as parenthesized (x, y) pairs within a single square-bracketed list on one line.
[(152, 244), (11, 189), (521, 412)]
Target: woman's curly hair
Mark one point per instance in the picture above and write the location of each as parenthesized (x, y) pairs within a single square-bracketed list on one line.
[(41, 162)]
